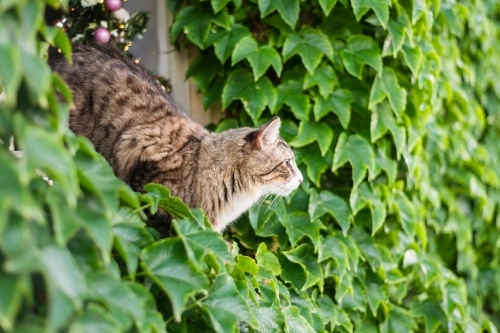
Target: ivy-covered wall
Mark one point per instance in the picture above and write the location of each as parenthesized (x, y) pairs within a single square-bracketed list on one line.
[(392, 108)]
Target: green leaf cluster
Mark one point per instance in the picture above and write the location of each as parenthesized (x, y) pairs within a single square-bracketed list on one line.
[(393, 110), (392, 107)]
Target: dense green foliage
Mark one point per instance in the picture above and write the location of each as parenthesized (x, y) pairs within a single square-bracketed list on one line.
[(392, 108)]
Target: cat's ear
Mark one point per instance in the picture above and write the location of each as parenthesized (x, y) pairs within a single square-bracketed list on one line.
[(268, 133)]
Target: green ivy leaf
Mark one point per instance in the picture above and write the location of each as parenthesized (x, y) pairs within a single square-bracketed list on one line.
[(10, 302), (418, 9), (358, 152), (290, 93), (384, 162), (338, 102), (218, 5), (380, 7), (292, 273), (324, 77), (406, 213), (66, 284), (254, 95), (366, 326), (289, 10), (260, 58), (171, 204), (398, 320), (326, 308), (267, 259), (332, 247), (198, 243), (224, 306), (431, 312), (342, 320), (195, 22), (382, 121), (316, 164), (413, 58), (168, 265), (303, 255), (62, 41), (10, 71), (298, 225), (361, 51), (95, 319), (294, 322), (398, 28), (387, 86), (313, 131), (202, 74), (214, 92), (46, 152), (327, 6), (376, 294), (14, 187), (122, 302), (247, 264), (328, 203), (362, 196), (271, 320), (130, 238), (37, 75), (225, 41), (311, 45)]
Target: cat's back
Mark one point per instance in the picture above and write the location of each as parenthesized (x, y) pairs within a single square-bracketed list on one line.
[(102, 74), (124, 112)]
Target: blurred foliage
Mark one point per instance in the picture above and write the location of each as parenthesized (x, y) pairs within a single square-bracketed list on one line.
[(392, 107)]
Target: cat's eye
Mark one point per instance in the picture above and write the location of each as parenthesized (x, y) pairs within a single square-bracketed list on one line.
[(287, 162)]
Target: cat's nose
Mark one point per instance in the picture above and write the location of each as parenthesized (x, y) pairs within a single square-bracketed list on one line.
[(300, 180)]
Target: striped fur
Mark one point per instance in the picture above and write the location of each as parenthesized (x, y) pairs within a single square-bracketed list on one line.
[(146, 138)]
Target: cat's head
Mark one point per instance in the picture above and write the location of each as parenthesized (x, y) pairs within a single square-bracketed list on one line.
[(271, 160)]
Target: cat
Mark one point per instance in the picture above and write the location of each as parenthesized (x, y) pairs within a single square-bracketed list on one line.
[(146, 138)]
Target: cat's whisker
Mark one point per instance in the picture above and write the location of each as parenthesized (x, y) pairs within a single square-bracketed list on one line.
[(270, 205), (299, 155), (275, 201)]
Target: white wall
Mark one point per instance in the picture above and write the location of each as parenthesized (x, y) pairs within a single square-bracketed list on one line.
[(159, 56)]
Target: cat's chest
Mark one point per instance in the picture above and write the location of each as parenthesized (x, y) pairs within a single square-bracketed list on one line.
[(232, 211)]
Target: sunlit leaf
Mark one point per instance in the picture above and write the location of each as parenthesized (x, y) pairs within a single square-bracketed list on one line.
[(298, 225), (324, 77), (225, 307), (326, 202), (294, 322), (260, 58), (338, 102), (255, 96), (303, 255), (380, 7), (313, 131), (311, 45), (387, 86), (361, 51), (169, 266), (289, 10), (397, 321), (290, 93)]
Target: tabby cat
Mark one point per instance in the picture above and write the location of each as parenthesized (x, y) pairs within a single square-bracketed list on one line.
[(146, 138)]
